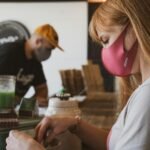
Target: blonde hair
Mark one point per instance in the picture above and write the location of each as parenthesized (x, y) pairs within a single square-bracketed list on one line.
[(121, 12)]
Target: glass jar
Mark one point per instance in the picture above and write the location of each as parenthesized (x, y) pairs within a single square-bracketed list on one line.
[(7, 92)]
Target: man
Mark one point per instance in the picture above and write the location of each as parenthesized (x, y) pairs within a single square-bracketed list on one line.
[(23, 59)]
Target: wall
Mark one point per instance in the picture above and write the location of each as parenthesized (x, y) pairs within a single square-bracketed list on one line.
[(70, 21), (94, 54)]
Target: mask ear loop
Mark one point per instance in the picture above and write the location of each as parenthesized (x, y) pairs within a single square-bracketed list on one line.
[(133, 48), (126, 51), (125, 30), (124, 34)]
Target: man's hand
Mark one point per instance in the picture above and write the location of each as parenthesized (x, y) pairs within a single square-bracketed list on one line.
[(20, 141)]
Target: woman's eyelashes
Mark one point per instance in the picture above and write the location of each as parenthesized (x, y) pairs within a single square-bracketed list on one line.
[(104, 43), (104, 40)]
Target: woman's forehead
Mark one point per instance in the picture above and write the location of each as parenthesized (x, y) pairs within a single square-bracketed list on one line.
[(109, 29)]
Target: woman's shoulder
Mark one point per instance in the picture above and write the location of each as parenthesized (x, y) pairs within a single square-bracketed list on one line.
[(140, 99), (144, 90)]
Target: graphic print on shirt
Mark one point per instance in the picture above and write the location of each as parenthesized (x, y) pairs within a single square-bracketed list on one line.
[(24, 79)]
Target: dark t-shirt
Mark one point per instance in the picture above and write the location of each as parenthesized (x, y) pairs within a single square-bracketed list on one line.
[(13, 61)]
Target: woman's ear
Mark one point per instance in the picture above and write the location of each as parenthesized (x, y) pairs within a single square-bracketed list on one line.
[(130, 38)]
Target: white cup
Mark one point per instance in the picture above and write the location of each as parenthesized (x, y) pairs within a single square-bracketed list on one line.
[(64, 108)]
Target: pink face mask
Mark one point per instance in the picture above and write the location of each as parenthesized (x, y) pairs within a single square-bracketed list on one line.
[(116, 59)]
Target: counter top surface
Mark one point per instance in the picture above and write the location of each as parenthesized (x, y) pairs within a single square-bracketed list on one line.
[(24, 124)]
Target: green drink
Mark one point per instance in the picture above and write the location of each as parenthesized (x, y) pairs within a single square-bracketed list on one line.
[(6, 100), (7, 92)]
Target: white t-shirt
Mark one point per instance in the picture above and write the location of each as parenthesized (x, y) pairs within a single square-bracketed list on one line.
[(132, 128)]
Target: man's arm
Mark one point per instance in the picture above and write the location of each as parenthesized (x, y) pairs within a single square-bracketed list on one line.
[(41, 93)]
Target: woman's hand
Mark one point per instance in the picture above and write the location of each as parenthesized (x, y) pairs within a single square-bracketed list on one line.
[(50, 127), (20, 141)]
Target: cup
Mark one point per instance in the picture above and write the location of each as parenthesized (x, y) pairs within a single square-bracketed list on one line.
[(57, 107), (64, 108), (7, 92)]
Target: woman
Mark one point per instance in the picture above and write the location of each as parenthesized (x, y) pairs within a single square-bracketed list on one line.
[(123, 29)]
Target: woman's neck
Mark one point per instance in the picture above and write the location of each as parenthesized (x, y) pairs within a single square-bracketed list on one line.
[(145, 69)]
